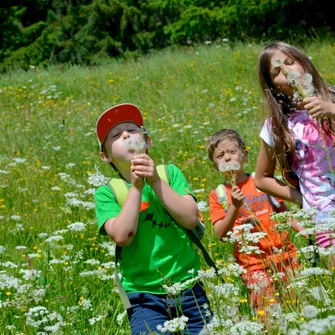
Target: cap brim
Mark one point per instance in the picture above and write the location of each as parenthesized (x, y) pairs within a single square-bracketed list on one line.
[(115, 115)]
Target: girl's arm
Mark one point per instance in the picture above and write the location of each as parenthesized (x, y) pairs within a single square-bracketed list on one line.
[(295, 224), (266, 181)]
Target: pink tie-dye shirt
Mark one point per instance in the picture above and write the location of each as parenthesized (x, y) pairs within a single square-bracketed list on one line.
[(310, 162)]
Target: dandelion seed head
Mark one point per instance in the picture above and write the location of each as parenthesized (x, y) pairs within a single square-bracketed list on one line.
[(229, 166), (277, 62)]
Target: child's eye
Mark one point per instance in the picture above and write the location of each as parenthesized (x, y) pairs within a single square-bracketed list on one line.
[(290, 61), (275, 72), (232, 152), (115, 135), (219, 156)]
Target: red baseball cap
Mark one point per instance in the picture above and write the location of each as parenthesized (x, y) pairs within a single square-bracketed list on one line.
[(115, 115)]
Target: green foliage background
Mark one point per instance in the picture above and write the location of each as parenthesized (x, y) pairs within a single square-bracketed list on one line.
[(42, 32)]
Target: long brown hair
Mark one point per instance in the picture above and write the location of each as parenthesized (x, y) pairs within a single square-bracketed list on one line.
[(280, 106)]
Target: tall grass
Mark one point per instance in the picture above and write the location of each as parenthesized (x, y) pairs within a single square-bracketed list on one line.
[(55, 270)]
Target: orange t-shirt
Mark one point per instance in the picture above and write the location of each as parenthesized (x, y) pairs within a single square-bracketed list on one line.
[(259, 204)]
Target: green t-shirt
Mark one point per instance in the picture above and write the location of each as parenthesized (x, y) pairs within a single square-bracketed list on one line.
[(161, 252)]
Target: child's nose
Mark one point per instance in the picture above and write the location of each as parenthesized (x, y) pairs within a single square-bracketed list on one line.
[(227, 157), (125, 135)]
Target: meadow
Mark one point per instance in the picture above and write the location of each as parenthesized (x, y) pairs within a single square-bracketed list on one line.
[(56, 271)]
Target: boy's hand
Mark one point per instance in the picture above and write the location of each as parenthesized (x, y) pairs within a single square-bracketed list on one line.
[(136, 180), (142, 166), (237, 196), (319, 108)]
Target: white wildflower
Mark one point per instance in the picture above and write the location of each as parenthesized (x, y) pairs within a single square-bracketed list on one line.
[(97, 178), (92, 262), (8, 282), (19, 160), (96, 319), (55, 188), (120, 317), (54, 238), (319, 293), (246, 328), (87, 305), (70, 165), (314, 272), (20, 247), (203, 206), (31, 274), (174, 325), (315, 326), (77, 226)]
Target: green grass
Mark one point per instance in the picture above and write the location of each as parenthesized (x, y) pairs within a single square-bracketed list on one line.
[(48, 120)]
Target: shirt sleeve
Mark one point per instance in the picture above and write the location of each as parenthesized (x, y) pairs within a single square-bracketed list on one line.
[(178, 181), (106, 207), (266, 133), (216, 209)]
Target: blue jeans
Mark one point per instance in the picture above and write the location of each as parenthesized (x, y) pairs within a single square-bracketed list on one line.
[(150, 310)]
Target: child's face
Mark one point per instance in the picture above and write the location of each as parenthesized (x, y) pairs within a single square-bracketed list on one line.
[(116, 141), (278, 77), (228, 151)]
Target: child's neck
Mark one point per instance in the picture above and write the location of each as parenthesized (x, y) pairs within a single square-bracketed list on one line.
[(124, 172), (241, 177)]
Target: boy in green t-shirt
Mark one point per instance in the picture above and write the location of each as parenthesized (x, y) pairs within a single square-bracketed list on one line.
[(150, 227)]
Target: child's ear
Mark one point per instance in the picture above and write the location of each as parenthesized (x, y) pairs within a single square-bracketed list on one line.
[(215, 166), (148, 142), (245, 156), (105, 157)]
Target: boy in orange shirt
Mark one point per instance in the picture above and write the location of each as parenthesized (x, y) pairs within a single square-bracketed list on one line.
[(244, 204)]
